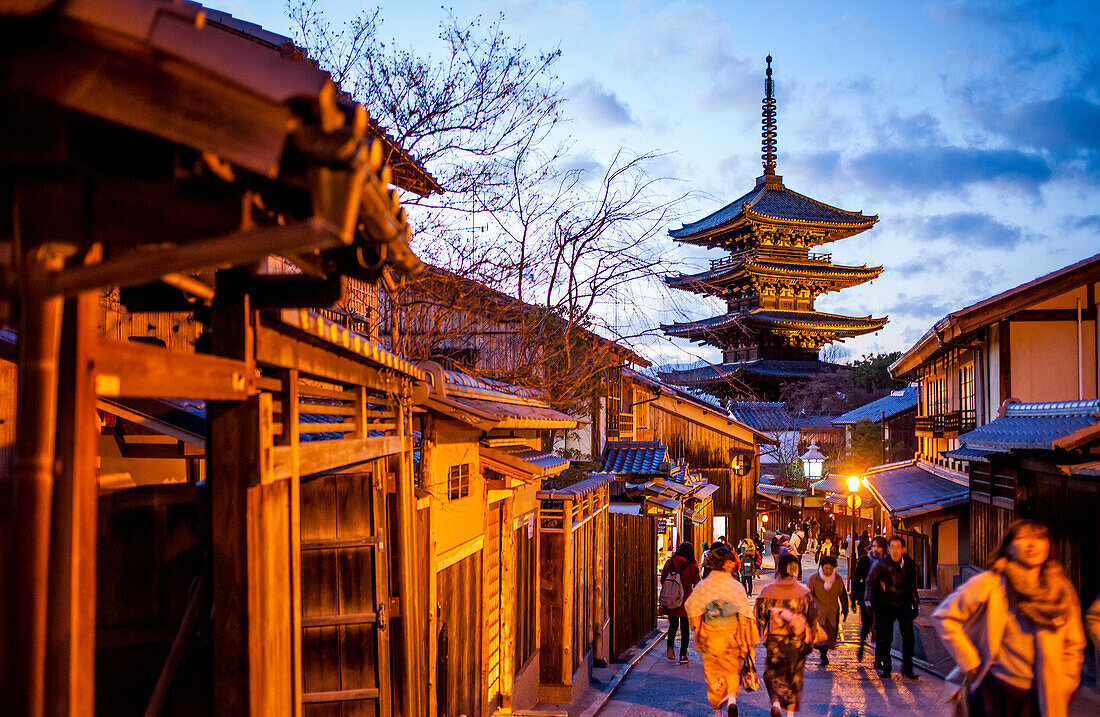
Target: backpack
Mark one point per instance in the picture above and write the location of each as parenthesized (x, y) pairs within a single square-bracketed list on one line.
[(672, 592)]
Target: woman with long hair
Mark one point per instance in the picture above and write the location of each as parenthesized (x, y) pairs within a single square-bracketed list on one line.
[(725, 631), (1015, 630), (831, 599), (683, 565), (786, 614)]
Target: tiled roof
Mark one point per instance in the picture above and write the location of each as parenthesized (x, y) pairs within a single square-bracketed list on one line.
[(1035, 426), (816, 419), (839, 275), (763, 415), (527, 461), (896, 403), (593, 482), (774, 201), (773, 318), (769, 368), (634, 457), (910, 490)]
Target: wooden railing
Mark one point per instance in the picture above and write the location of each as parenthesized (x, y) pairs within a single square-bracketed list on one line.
[(771, 253), (948, 425)]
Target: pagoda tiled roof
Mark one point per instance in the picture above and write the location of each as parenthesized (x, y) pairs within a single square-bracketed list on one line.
[(840, 275), (762, 368), (776, 319), (771, 201)]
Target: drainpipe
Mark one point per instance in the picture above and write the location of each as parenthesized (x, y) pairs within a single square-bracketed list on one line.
[(1080, 355), (33, 474)]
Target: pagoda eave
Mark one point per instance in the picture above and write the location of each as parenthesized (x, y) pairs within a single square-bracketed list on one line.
[(716, 281)]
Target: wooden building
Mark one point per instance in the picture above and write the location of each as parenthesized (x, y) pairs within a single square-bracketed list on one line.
[(771, 333), (250, 550), (479, 472), (1035, 343), (894, 414)]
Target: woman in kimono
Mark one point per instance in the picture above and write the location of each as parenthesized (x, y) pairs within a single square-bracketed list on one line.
[(786, 613), (831, 599), (725, 631)]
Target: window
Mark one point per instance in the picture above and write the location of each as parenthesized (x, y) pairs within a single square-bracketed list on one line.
[(966, 395), (936, 396), (458, 481)]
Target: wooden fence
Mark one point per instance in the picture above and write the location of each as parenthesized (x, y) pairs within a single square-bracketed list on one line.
[(573, 585), (632, 577)]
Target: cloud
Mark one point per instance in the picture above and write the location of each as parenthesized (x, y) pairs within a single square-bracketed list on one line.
[(1090, 222), (925, 307), (1063, 125), (970, 229), (924, 263), (946, 169), (583, 163), (599, 104)]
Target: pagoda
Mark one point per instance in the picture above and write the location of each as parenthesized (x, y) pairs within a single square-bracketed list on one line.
[(770, 334)]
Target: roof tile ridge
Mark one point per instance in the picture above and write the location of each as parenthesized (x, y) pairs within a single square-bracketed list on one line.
[(820, 203)]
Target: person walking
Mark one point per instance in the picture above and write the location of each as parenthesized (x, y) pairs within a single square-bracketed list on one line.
[(827, 549), (747, 565), (831, 599), (1015, 630), (892, 594), (681, 568), (759, 541), (1092, 623), (864, 545), (786, 614), (718, 611), (876, 550)]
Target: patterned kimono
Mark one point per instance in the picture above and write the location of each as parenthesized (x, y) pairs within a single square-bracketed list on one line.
[(727, 634), (786, 614)]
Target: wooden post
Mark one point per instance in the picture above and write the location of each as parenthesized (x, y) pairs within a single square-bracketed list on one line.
[(567, 626), (507, 602), (254, 671), (412, 612), (70, 661), (33, 481), (290, 419)]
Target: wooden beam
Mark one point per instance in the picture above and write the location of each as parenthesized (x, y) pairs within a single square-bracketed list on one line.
[(1053, 315), (70, 668), (321, 456), (142, 371), (1004, 360), (297, 350)]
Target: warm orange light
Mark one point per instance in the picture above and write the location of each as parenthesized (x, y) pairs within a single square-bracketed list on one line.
[(853, 483), (765, 518)]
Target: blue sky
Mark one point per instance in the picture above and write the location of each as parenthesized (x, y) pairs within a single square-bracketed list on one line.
[(972, 129)]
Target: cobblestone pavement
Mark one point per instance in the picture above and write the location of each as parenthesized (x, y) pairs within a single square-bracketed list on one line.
[(660, 687)]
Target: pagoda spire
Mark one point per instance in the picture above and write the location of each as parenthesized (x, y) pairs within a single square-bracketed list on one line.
[(768, 144)]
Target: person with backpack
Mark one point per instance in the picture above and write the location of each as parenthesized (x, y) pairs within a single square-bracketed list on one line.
[(747, 554), (678, 578)]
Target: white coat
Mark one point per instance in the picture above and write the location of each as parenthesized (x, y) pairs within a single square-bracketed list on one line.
[(971, 623)]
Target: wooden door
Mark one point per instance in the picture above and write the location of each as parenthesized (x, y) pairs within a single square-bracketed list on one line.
[(493, 529), (345, 596), (460, 677)]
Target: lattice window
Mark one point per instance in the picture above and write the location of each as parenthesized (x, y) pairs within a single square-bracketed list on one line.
[(966, 395), (458, 481)]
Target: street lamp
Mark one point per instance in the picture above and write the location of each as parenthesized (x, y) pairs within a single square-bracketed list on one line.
[(853, 484), (812, 462)]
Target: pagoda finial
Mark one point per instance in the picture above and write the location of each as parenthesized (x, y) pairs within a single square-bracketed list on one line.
[(768, 144)]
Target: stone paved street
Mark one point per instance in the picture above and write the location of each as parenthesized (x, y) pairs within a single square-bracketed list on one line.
[(659, 687)]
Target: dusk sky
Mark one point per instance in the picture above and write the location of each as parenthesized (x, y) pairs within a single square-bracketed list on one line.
[(971, 129)]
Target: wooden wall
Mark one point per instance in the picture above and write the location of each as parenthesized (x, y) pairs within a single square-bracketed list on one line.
[(148, 559), (459, 591), (735, 499), (632, 594), (345, 641), (987, 525), (527, 585), (551, 574)]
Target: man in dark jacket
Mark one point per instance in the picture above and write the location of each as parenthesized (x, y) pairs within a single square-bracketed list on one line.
[(892, 594), (858, 590)]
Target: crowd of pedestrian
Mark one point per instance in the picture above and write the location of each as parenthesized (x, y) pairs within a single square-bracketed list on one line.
[(1015, 630)]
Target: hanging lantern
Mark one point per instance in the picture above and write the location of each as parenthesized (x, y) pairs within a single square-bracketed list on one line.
[(813, 460)]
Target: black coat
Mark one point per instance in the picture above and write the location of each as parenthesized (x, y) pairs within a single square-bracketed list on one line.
[(859, 577), (893, 584)]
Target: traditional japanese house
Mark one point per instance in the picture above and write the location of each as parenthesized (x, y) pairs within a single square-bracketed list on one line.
[(1035, 343), (895, 416), (771, 333), (1039, 461), (273, 570), (479, 469)]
